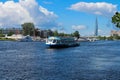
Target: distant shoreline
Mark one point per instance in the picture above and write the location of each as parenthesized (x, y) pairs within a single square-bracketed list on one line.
[(6, 39)]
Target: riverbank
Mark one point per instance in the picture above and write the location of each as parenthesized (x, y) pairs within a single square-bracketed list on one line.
[(6, 39)]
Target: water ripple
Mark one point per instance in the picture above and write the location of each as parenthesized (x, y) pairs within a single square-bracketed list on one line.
[(33, 61)]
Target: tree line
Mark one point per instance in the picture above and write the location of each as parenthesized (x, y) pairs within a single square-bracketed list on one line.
[(116, 21), (29, 29)]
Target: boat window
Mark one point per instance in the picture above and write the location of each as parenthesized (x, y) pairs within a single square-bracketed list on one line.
[(50, 40), (58, 41), (54, 41)]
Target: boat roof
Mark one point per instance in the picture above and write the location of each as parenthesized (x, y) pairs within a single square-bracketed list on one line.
[(63, 38), (58, 38)]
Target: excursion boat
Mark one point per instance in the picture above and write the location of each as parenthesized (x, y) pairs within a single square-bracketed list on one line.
[(61, 42)]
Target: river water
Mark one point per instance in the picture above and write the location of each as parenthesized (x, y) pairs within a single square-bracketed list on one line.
[(98, 60)]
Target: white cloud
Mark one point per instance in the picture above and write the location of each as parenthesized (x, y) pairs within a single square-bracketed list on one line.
[(46, 12), (99, 8), (46, 2), (78, 27), (26, 11), (11, 12)]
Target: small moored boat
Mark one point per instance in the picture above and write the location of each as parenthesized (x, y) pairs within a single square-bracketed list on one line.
[(61, 42), (26, 39)]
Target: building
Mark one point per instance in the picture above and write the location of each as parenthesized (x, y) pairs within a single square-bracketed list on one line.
[(96, 28), (115, 33), (11, 30), (45, 33), (18, 32), (15, 36)]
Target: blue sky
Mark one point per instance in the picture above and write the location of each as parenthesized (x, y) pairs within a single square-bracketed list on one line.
[(64, 15)]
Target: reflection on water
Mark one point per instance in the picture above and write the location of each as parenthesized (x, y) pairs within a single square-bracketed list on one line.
[(33, 61)]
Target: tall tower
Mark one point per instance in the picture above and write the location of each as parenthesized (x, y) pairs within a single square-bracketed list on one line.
[(96, 28)]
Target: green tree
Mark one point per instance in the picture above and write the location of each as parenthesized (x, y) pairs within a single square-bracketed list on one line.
[(2, 35), (116, 37), (1, 31), (76, 34), (102, 37), (37, 32), (28, 29), (55, 33), (116, 19), (50, 32), (10, 33), (110, 38), (61, 34)]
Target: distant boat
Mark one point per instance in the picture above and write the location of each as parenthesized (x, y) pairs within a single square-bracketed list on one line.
[(26, 39), (61, 42)]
